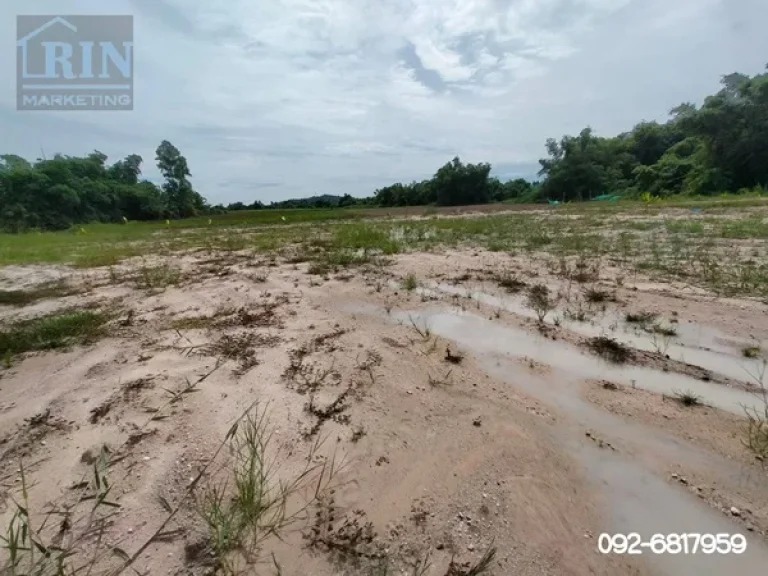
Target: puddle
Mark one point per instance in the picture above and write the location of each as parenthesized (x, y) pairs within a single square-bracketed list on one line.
[(487, 337), (640, 502), (635, 498), (694, 344)]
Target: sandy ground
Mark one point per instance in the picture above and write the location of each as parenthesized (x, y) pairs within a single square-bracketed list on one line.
[(460, 424)]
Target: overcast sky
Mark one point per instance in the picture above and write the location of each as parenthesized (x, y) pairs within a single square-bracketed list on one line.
[(272, 99)]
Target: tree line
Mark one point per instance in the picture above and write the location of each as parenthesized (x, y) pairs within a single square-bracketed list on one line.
[(719, 147), (58, 193)]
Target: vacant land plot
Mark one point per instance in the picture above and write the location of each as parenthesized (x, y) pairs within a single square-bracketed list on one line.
[(423, 394)]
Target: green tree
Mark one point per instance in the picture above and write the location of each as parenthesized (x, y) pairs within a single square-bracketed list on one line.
[(181, 199)]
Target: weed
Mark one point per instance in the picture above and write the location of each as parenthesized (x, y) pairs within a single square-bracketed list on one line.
[(7, 360), (259, 277), (244, 503), (595, 296), (663, 330), (31, 550), (238, 347), (156, 277), (410, 283), (539, 301), (333, 411), (440, 381), (53, 331), (687, 398), (57, 289), (641, 318), (610, 349), (319, 269), (453, 358), (481, 567), (192, 323), (509, 282), (750, 352), (425, 332)]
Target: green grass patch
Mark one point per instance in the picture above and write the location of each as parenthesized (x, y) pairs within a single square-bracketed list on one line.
[(53, 331)]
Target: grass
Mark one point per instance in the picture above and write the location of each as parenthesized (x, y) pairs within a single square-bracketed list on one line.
[(410, 283), (641, 318), (156, 277), (52, 331), (610, 349), (56, 289), (663, 330), (701, 252), (509, 282), (687, 398), (750, 352), (595, 296)]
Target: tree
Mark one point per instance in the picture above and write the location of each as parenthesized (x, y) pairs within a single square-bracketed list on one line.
[(181, 199), (56, 193), (459, 184)]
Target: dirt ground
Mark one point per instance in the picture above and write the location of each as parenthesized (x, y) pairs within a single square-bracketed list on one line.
[(455, 422)]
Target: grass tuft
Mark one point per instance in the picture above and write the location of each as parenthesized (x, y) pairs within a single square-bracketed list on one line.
[(53, 331), (688, 398), (751, 352), (57, 289), (410, 283), (640, 317), (610, 349)]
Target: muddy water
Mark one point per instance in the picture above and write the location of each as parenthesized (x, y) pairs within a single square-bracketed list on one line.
[(694, 343), (493, 337), (637, 500)]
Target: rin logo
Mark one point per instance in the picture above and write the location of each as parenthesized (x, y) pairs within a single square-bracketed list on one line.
[(74, 63)]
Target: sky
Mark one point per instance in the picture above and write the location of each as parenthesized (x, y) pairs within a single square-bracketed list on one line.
[(277, 99)]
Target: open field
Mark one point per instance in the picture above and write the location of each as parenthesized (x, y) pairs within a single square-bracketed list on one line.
[(385, 392)]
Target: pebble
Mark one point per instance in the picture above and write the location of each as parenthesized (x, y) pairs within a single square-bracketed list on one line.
[(735, 511), (471, 547)]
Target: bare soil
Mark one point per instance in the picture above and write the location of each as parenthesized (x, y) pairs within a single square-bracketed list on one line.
[(444, 454)]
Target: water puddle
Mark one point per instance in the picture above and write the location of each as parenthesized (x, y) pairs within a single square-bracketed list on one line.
[(637, 500), (487, 337), (694, 343)]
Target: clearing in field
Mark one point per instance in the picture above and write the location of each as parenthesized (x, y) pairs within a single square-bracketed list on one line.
[(441, 394)]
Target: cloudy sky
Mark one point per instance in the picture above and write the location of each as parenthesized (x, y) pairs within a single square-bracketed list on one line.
[(272, 99)]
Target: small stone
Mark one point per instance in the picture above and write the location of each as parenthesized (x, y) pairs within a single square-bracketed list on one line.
[(130, 530), (735, 511), (471, 547), (147, 458), (675, 476), (439, 545), (477, 422)]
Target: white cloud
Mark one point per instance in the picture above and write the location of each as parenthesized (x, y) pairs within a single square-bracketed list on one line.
[(279, 98)]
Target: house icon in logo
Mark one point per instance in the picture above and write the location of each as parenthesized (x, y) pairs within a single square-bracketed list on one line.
[(23, 43)]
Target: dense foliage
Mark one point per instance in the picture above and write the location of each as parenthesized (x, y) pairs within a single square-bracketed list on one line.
[(65, 190), (720, 147), (455, 184)]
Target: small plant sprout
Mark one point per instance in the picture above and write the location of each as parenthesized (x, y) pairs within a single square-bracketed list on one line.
[(410, 283)]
